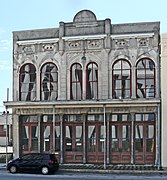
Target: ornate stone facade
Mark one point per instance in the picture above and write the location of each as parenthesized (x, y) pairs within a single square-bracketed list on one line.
[(83, 72)]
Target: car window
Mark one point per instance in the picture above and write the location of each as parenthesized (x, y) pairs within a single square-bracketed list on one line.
[(38, 157), (27, 156)]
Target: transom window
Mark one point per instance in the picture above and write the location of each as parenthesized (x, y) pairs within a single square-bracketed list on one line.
[(145, 117), (145, 78), (76, 81), (49, 82), (121, 79), (92, 81), (27, 83)]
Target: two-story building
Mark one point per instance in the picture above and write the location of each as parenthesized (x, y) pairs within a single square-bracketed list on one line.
[(89, 91)]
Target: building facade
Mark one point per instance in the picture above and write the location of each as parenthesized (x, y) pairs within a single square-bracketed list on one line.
[(164, 98), (6, 134), (88, 91)]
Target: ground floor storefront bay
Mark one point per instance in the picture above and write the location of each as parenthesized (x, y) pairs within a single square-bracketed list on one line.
[(95, 136)]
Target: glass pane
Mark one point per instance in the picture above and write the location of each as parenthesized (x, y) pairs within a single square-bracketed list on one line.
[(117, 65), (115, 139), (125, 65), (141, 89), (125, 138), (57, 138), (145, 117), (70, 118), (126, 94), (34, 138), (46, 138), (126, 74), (150, 138), (29, 119), (150, 88), (68, 138), (101, 138), (141, 73), (78, 140), (117, 74), (118, 94), (25, 139), (91, 139), (139, 138), (114, 117)]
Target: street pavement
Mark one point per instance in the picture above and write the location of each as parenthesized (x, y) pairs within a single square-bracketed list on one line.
[(117, 169)]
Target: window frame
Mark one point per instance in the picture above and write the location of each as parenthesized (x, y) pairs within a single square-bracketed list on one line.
[(92, 81), (145, 78), (47, 97), (22, 74), (121, 79), (76, 82)]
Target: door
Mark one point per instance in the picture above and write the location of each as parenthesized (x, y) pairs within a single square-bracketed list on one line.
[(144, 143), (120, 142), (29, 137), (73, 142), (95, 142)]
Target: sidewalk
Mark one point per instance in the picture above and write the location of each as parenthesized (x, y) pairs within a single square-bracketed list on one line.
[(123, 169)]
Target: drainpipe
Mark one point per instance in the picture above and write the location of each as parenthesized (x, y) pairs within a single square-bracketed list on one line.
[(104, 109), (53, 129), (158, 163)]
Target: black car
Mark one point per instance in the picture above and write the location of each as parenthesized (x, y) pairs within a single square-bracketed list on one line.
[(43, 162)]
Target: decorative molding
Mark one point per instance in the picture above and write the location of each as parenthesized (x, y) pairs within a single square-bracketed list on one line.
[(121, 43), (134, 35), (37, 41), (74, 45), (74, 38), (94, 44), (143, 42), (49, 47), (30, 49)]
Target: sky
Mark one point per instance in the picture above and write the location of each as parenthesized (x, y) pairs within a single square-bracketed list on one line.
[(17, 15)]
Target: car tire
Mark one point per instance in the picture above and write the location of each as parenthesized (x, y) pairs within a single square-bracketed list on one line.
[(13, 169), (45, 170)]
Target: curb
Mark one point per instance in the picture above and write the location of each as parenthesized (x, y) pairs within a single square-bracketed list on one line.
[(158, 172)]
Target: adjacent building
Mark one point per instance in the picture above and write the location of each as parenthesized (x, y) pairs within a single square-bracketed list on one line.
[(88, 91)]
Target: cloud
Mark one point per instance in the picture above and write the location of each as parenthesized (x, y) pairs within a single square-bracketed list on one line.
[(5, 44)]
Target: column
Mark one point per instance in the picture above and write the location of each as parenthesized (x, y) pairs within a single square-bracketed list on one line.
[(61, 140), (84, 138), (16, 143), (132, 137), (108, 139), (39, 133)]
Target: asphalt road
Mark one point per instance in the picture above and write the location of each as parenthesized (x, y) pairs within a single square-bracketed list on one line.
[(4, 175)]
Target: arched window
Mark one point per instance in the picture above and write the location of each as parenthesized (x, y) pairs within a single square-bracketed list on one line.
[(76, 82), (92, 81), (121, 79), (49, 82), (27, 81), (145, 78)]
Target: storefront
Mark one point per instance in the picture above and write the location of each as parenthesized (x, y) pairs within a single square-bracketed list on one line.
[(112, 135)]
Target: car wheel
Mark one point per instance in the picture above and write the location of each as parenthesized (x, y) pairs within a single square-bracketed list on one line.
[(13, 169), (45, 170)]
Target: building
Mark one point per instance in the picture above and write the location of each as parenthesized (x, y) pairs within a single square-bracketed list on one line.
[(88, 91), (164, 97), (6, 137)]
